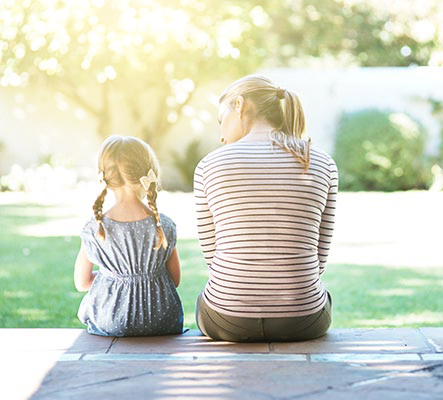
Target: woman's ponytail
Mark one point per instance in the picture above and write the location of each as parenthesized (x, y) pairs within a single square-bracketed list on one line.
[(289, 136)]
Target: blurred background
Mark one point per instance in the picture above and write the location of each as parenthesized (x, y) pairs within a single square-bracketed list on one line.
[(74, 72), (369, 75)]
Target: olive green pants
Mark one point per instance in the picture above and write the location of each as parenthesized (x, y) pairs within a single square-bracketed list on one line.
[(224, 327)]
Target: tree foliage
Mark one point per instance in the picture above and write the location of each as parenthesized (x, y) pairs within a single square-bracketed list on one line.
[(356, 32), (151, 55), (381, 150)]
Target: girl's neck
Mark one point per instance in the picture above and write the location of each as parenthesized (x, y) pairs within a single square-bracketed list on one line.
[(128, 205)]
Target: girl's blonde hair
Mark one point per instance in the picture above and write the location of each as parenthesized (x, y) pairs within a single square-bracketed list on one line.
[(123, 160), (280, 107)]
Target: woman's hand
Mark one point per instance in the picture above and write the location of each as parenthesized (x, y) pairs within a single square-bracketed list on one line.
[(83, 274)]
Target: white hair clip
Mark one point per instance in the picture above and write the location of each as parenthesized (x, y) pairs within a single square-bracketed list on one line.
[(147, 180)]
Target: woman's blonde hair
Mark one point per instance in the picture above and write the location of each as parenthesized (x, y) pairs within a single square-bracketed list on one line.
[(122, 160), (279, 107)]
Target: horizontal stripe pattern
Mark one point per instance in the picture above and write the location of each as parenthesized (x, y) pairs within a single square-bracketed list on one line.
[(265, 227)]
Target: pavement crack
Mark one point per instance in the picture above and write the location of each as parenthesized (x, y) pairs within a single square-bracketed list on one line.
[(396, 374), (114, 340), (101, 382), (436, 370), (429, 342)]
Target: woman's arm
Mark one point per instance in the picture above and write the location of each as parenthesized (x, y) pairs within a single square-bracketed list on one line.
[(205, 222), (328, 218), (173, 266), (83, 274)]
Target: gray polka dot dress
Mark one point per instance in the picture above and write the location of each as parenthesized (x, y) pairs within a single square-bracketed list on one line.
[(133, 293)]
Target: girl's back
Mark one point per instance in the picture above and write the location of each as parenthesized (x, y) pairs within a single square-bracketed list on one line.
[(133, 293)]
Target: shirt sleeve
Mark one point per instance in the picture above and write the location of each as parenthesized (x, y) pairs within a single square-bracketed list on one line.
[(205, 222), (328, 218)]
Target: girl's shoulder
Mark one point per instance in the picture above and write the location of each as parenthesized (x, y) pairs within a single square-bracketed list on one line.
[(170, 231), (167, 222), (90, 224), (89, 230)]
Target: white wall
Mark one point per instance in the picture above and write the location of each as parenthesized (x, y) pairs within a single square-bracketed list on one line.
[(325, 94)]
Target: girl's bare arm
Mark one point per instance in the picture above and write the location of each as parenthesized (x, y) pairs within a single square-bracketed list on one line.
[(83, 274), (173, 265)]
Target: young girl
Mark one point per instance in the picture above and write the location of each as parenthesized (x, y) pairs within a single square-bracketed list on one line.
[(134, 291)]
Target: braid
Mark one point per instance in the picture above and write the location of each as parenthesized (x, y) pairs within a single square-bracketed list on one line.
[(98, 213), (152, 202)]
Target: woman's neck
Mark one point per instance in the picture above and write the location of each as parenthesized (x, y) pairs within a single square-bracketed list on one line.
[(259, 132)]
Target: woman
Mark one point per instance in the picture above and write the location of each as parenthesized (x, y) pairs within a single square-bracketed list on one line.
[(265, 208)]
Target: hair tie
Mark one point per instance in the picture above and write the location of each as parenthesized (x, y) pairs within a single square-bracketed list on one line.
[(281, 92), (147, 180)]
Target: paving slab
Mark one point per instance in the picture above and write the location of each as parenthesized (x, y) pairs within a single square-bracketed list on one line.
[(191, 356), (192, 341), (434, 356), (405, 381), (425, 379), (364, 357), (360, 341), (67, 340), (232, 380), (370, 394), (435, 337)]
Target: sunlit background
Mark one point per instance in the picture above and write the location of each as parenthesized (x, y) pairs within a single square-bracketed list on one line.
[(369, 74)]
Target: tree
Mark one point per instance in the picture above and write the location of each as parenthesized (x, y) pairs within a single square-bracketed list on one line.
[(358, 32), (152, 54)]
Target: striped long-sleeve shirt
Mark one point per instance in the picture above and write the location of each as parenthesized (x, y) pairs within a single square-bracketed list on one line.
[(265, 228)]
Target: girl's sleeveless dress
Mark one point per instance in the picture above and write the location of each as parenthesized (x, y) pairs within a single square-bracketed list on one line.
[(133, 293)]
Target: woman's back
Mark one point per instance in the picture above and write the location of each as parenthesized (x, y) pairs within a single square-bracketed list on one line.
[(265, 226)]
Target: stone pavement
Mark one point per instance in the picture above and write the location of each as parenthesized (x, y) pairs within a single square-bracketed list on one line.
[(344, 364)]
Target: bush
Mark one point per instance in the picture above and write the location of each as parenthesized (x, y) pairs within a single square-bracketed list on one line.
[(377, 150)]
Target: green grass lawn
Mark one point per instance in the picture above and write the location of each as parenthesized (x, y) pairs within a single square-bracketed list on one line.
[(37, 290)]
